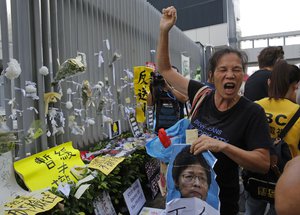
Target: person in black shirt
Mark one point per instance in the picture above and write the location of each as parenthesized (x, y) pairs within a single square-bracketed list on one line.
[(256, 86), (167, 102), (233, 128)]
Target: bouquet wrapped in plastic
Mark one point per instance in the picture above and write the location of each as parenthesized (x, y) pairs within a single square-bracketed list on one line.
[(69, 68)]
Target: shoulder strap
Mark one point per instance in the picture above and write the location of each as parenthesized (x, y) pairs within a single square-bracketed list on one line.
[(290, 124), (198, 98)]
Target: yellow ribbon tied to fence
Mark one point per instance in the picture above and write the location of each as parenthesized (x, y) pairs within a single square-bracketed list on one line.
[(50, 97)]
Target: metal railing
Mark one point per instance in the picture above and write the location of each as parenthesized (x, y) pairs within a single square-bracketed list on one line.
[(39, 32)]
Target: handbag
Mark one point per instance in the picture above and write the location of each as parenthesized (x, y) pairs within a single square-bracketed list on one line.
[(262, 186)]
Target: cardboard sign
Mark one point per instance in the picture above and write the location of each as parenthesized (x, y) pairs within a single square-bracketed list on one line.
[(183, 206), (135, 129), (115, 129), (49, 168), (152, 171), (134, 197), (142, 75), (30, 205), (105, 164), (103, 205)]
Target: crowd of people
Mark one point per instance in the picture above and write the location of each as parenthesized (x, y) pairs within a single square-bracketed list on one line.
[(237, 129)]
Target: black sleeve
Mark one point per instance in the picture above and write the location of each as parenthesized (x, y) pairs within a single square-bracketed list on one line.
[(193, 88), (257, 132)]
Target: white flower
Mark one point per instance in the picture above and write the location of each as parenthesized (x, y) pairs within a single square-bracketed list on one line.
[(107, 119), (30, 89), (13, 70), (69, 105), (90, 121), (69, 91), (44, 70)]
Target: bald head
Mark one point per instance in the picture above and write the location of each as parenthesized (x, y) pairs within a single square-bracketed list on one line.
[(287, 191)]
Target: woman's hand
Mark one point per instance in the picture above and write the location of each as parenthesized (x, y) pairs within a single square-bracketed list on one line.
[(204, 143), (168, 18)]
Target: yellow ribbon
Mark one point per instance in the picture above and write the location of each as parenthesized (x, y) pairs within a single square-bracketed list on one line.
[(50, 97)]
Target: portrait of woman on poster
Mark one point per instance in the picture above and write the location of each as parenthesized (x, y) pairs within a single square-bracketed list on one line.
[(191, 176)]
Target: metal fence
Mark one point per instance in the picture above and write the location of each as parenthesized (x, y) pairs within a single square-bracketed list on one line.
[(39, 32)]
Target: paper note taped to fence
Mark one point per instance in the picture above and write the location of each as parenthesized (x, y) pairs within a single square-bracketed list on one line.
[(49, 168), (105, 164)]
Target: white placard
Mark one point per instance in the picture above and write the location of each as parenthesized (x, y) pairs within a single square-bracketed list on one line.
[(150, 118), (134, 197), (8, 184), (135, 129), (151, 211), (184, 206), (103, 205), (185, 66)]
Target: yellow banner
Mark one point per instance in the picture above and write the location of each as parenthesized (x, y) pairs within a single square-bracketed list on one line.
[(105, 164), (50, 167), (142, 77), (30, 205)]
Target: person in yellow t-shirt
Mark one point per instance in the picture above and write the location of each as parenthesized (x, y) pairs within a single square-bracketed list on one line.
[(279, 108)]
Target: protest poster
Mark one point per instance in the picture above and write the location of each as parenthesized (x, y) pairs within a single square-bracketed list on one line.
[(49, 168), (135, 129), (134, 198), (190, 206), (103, 205), (152, 172), (142, 76), (32, 203), (190, 175), (105, 164), (115, 129)]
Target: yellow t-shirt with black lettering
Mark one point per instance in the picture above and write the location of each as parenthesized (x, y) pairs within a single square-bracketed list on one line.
[(278, 113)]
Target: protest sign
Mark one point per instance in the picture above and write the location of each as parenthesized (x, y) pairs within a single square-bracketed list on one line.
[(186, 169), (105, 164), (103, 205), (184, 206), (32, 204), (142, 75), (152, 172), (49, 168), (134, 197), (115, 129)]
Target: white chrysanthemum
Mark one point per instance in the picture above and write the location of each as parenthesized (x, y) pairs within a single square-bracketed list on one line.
[(69, 91), (107, 119), (44, 70), (13, 70), (90, 122), (30, 89), (69, 104)]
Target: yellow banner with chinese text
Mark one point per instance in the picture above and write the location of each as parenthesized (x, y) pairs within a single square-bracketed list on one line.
[(30, 205), (142, 78), (50, 167), (105, 164)]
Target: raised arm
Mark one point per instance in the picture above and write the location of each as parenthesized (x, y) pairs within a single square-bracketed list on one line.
[(179, 82)]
